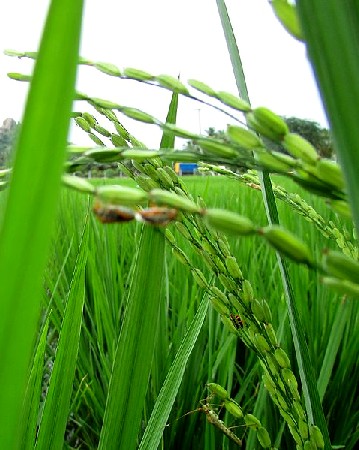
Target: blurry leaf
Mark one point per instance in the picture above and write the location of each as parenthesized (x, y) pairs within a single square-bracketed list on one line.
[(329, 52), (31, 206), (287, 15)]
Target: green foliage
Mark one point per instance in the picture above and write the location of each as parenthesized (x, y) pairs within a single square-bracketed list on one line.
[(109, 268), (56, 406)]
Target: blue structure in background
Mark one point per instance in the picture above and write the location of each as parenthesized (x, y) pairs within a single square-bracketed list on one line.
[(185, 168)]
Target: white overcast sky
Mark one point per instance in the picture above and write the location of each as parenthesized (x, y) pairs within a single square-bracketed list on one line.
[(172, 37)]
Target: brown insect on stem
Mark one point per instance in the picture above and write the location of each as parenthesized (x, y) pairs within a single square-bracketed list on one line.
[(158, 216), (107, 213)]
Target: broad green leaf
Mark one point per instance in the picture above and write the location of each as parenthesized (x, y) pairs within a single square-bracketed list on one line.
[(132, 365), (330, 53), (31, 205)]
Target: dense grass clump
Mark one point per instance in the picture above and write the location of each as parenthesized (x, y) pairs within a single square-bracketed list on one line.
[(217, 354)]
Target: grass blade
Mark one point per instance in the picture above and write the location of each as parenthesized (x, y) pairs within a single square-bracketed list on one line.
[(56, 408), (132, 365), (311, 396), (233, 51), (168, 138), (331, 353), (32, 398), (33, 195), (167, 395)]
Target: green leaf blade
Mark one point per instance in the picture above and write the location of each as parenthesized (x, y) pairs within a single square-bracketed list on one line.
[(31, 204), (167, 395), (56, 409), (168, 138), (339, 88), (33, 394), (132, 365)]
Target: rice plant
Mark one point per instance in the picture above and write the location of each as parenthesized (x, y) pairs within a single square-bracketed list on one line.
[(166, 318)]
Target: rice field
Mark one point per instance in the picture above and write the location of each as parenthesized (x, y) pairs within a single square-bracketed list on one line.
[(217, 356), (179, 337)]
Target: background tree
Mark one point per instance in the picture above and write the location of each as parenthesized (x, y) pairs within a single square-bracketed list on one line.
[(319, 137), (312, 131), (7, 136), (212, 132)]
